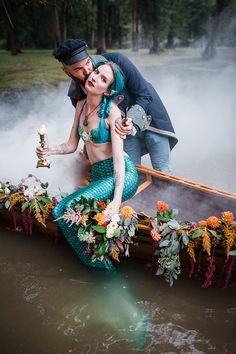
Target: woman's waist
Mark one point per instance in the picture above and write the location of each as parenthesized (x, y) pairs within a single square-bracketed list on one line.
[(103, 168)]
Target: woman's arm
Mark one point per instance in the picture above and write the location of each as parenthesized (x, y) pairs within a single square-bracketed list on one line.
[(66, 148), (118, 159)]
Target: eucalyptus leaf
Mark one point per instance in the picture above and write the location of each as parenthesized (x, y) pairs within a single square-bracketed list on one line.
[(164, 243), (173, 224), (174, 213), (232, 253), (7, 204), (185, 239), (160, 271)]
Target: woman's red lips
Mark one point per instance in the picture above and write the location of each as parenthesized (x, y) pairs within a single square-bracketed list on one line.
[(90, 83)]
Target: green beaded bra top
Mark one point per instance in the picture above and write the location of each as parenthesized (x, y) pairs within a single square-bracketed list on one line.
[(98, 135)]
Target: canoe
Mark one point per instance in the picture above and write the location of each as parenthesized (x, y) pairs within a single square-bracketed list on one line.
[(194, 202)]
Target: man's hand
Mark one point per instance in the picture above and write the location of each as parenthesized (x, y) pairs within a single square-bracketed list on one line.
[(124, 127)]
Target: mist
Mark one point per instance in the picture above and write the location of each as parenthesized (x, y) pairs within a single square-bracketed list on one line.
[(199, 96)]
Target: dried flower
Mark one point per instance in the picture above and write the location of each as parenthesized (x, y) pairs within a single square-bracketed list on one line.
[(155, 235), (127, 211), (161, 206), (202, 223), (213, 222), (84, 219), (228, 217), (100, 218)]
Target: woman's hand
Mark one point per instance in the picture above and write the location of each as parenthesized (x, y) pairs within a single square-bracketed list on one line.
[(111, 209), (42, 153)]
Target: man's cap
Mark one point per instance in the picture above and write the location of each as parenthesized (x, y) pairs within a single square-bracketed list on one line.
[(71, 51)]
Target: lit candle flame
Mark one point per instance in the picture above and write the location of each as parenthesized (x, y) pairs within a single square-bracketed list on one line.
[(42, 130)]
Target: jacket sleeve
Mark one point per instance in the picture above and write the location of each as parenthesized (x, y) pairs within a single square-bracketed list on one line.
[(137, 89)]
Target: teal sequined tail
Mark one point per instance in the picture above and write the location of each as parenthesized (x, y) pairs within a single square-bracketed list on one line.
[(101, 188)]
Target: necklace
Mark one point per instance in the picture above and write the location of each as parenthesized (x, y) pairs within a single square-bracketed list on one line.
[(86, 117)]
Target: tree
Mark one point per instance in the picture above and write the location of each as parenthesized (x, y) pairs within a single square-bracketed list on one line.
[(220, 8), (12, 35), (135, 25), (101, 39)]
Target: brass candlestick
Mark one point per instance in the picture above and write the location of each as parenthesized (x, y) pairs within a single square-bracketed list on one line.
[(42, 136)]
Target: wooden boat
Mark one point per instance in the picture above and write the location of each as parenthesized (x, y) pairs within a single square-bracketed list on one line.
[(193, 200)]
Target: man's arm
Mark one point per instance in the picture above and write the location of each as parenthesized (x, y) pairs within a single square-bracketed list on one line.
[(136, 87)]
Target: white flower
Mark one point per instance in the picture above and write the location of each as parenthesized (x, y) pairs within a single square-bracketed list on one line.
[(33, 191), (7, 191), (115, 218), (112, 225), (109, 233)]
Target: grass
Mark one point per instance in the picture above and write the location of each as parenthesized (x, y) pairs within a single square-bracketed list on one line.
[(28, 68), (38, 67)]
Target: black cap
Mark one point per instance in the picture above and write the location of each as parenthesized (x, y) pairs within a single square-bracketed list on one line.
[(71, 51)]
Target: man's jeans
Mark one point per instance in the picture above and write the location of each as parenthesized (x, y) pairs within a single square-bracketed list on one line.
[(147, 142)]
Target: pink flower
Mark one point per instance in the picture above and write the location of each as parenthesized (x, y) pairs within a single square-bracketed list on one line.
[(155, 235), (71, 216)]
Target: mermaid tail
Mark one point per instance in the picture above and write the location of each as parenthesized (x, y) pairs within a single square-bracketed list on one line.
[(101, 188)]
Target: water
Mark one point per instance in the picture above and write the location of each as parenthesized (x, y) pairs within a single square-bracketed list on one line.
[(51, 303)]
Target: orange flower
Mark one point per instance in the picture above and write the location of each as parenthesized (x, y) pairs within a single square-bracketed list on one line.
[(126, 211), (162, 206), (101, 204), (213, 222), (83, 220), (228, 217), (100, 218), (155, 235), (202, 223)]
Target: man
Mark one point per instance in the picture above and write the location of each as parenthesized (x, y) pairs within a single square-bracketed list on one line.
[(152, 130)]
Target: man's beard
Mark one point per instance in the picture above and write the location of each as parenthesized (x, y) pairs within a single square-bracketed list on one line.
[(81, 82)]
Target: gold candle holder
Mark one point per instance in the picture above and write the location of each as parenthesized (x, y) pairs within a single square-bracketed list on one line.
[(42, 136)]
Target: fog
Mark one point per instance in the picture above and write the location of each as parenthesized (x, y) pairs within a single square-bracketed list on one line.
[(199, 96)]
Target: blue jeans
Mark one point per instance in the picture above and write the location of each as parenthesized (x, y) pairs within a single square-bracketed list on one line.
[(147, 142)]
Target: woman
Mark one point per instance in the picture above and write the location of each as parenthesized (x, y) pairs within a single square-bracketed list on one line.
[(94, 122)]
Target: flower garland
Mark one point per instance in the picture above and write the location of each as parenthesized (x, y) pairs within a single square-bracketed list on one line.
[(33, 200), (170, 237), (104, 232)]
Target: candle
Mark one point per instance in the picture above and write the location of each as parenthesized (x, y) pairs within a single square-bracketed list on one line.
[(42, 130)]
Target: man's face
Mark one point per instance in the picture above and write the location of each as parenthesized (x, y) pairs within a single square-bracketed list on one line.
[(80, 70)]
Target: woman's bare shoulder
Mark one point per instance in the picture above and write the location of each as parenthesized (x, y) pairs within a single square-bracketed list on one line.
[(114, 112)]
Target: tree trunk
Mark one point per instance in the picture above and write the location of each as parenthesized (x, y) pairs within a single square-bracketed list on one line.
[(135, 25), (13, 43), (101, 40), (154, 49), (56, 26), (170, 39), (210, 49)]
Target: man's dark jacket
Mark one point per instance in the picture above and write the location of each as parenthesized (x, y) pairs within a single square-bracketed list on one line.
[(140, 102)]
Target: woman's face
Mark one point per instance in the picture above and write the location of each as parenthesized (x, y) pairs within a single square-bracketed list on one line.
[(99, 80)]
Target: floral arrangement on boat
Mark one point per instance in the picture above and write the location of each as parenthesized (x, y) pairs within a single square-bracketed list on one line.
[(205, 237), (104, 232), (33, 200)]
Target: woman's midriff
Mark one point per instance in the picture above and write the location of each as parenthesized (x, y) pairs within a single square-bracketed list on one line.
[(99, 152)]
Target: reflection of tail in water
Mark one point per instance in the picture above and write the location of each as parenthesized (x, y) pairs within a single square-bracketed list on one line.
[(115, 306)]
